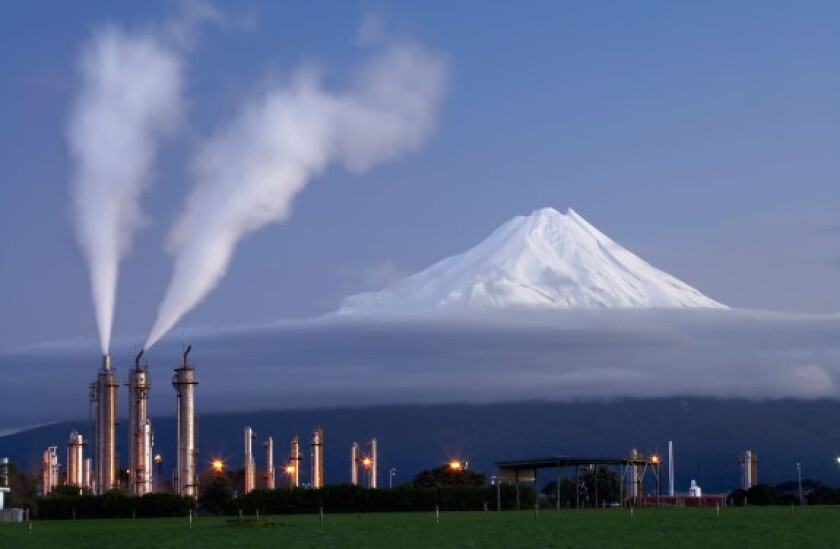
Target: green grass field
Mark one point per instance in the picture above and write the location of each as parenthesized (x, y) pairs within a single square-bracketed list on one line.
[(736, 527)]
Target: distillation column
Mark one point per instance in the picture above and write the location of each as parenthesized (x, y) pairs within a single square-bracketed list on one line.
[(103, 392), (75, 460), (294, 463), (269, 463), (49, 470), (250, 466), (139, 430), (354, 464), (184, 382), (318, 459)]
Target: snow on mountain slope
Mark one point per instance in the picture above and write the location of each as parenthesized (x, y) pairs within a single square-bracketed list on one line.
[(545, 260)]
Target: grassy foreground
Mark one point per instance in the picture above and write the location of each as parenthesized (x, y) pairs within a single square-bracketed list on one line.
[(736, 527)]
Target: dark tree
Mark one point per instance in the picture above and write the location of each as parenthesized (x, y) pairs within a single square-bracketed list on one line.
[(216, 496), (69, 490), (762, 494), (447, 476)]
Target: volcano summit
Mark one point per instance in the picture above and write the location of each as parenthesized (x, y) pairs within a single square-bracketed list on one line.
[(545, 260)]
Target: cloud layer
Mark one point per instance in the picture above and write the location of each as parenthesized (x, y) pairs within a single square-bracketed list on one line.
[(568, 355)]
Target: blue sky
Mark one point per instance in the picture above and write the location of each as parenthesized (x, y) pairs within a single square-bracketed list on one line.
[(702, 136)]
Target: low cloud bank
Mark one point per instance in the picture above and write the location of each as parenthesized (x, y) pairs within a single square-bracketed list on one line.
[(567, 355)]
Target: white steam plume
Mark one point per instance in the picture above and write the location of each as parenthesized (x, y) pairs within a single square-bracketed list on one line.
[(130, 96), (248, 174)]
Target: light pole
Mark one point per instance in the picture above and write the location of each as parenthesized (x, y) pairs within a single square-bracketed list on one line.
[(655, 460), (159, 462), (799, 474), (393, 473)]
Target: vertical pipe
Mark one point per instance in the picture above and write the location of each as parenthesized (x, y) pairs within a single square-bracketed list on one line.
[(671, 468), (145, 453), (374, 460)]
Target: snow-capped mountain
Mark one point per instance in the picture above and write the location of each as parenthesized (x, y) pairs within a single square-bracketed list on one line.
[(545, 260)]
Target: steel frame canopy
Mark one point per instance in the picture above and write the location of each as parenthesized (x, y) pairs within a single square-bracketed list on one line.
[(526, 470)]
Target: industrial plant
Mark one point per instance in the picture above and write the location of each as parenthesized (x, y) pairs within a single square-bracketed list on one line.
[(99, 473)]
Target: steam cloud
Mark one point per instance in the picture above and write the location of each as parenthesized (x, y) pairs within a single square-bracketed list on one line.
[(130, 97), (248, 174)]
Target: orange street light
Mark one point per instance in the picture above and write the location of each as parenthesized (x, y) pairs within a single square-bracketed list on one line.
[(455, 465), (654, 459), (290, 469), (218, 465), (367, 462), (158, 458)]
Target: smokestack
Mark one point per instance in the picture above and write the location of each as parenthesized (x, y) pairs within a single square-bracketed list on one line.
[(103, 392), (670, 468), (184, 381), (354, 464), (269, 463), (318, 459), (139, 430), (250, 466)]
